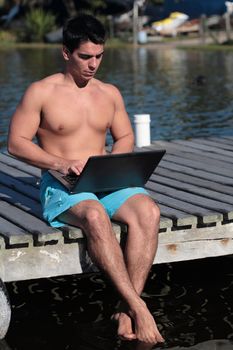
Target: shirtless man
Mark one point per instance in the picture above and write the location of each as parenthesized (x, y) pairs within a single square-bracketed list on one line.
[(70, 113)]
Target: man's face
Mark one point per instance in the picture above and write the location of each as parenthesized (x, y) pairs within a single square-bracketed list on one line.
[(85, 60)]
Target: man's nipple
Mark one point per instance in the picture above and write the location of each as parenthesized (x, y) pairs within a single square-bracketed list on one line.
[(61, 127)]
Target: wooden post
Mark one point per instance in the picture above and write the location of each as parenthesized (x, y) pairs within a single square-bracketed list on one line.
[(227, 15), (135, 22), (111, 26), (5, 310), (228, 25), (202, 28)]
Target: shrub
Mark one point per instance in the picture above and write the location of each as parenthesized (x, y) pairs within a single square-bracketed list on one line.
[(37, 24), (7, 37)]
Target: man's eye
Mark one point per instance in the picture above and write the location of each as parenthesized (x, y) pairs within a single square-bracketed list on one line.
[(99, 56), (84, 57)]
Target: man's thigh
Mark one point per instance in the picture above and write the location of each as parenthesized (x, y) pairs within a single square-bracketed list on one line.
[(56, 200), (82, 212), (116, 200)]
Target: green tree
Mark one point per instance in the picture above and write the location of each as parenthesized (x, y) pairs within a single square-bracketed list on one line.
[(157, 2), (37, 24), (70, 7), (93, 6)]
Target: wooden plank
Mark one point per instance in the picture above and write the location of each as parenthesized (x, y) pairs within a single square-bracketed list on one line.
[(191, 163), (214, 144), (193, 250), (43, 262), (21, 187), (201, 158), (8, 229), (21, 201), (2, 242), (188, 179), (196, 172), (208, 215), (173, 148), (42, 233), (204, 148), (202, 203), (211, 194), (179, 217), (222, 140), (165, 222), (195, 243), (20, 175), (72, 233), (20, 165), (230, 138), (197, 234)]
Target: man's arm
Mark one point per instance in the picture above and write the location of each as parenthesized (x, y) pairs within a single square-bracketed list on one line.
[(121, 128), (24, 126)]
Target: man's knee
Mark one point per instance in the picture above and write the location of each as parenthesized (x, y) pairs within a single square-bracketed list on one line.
[(93, 213), (149, 212), (89, 212), (146, 214)]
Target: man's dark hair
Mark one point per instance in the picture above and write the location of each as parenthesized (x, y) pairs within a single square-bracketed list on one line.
[(83, 28)]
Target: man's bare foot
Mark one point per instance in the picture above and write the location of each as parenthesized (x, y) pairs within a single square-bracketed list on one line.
[(125, 331), (146, 330)]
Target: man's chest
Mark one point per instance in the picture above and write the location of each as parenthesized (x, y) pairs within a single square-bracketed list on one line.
[(69, 112)]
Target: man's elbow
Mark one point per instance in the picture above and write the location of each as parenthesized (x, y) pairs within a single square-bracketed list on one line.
[(12, 147), (131, 140)]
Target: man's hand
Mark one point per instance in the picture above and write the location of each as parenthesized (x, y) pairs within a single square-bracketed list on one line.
[(72, 166)]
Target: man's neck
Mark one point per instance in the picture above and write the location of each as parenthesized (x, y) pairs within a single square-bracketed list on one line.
[(78, 82)]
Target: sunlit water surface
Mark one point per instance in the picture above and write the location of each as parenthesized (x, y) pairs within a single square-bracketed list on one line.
[(187, 94)]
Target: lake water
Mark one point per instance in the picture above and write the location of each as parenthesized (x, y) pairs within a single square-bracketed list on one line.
[(188, 94)]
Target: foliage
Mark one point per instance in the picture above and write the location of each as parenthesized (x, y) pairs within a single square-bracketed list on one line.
[(93, 6), (7, 37), (157, 2), (2, 3), (37, 24)]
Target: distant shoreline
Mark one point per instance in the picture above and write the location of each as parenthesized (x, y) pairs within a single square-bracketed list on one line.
[(182, 43)]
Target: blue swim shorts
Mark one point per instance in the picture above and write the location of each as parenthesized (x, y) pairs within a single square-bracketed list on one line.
[(55, 199)]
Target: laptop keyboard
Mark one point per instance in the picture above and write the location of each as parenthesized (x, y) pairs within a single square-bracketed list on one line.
[(71, 178)]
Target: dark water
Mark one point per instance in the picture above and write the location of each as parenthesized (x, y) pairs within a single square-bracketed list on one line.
[(192, 301)]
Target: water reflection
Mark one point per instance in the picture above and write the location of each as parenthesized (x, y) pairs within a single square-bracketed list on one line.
[(191, 302), (156, 81)]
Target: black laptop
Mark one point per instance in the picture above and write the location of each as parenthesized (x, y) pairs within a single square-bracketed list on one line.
[(111, 172)]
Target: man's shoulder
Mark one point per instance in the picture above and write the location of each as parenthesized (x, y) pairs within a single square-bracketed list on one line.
[(44, 85), (107, 87), (49, 80)]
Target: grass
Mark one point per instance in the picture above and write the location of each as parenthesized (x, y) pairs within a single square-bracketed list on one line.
[(208, 47), (7, 41), (112, 43)]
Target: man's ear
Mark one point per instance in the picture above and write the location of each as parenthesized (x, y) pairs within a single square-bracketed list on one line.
[(66, 53)]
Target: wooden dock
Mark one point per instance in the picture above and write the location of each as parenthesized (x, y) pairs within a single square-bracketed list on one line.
[(192, 185)]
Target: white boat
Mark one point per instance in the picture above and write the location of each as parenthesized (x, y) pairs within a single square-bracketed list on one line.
[(168, 26)]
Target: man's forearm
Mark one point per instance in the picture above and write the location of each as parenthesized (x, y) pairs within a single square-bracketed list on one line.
[(124, 144), (35, 155)]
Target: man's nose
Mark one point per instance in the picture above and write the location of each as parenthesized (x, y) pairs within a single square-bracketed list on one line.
[(92, 62)]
